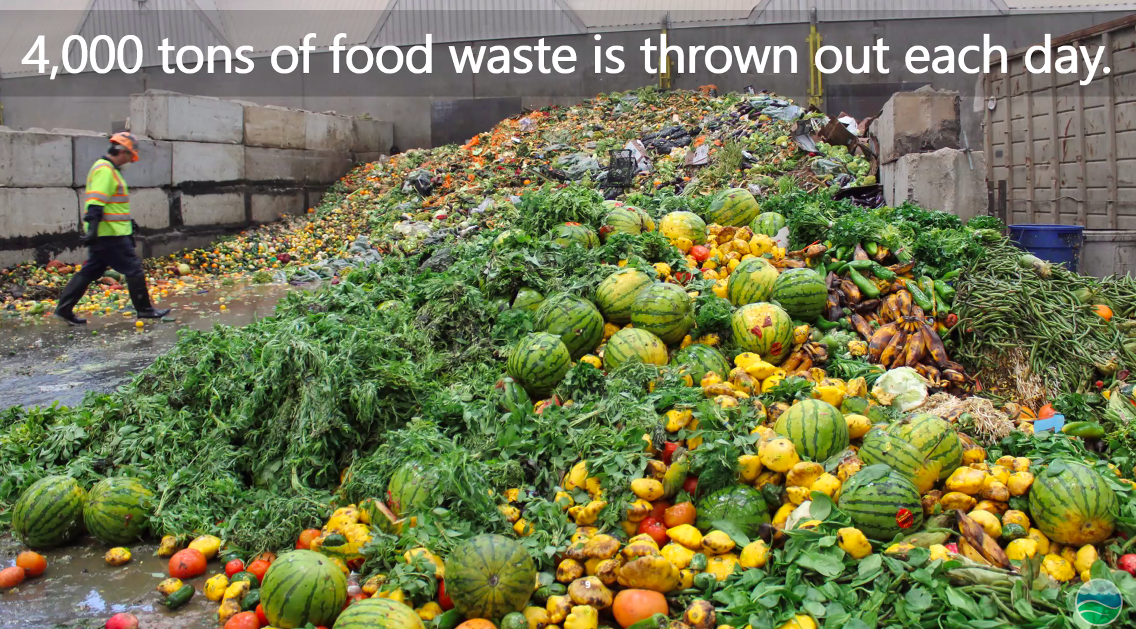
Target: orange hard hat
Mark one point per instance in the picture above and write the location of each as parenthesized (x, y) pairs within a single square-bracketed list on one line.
[(126, 141)]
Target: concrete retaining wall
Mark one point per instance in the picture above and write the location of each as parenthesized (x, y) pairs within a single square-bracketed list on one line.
[(206, 167)]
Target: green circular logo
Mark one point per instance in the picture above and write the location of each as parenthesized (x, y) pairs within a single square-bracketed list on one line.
[(1098, 602)]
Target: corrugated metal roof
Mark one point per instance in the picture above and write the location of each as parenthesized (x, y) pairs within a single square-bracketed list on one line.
[(1066, 5), (20, 26), (181, 21), (464, 20), (266, 24), (611, 14)]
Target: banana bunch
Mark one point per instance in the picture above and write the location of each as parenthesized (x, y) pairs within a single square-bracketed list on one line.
[(906, 340)]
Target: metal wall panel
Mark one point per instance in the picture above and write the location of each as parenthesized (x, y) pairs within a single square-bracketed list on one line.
[(409, 21)]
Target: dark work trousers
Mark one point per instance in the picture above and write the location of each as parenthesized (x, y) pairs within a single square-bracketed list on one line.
[(116, 252)]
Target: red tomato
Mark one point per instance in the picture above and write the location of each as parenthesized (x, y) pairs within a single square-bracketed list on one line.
[(660, 509), (258, 567), (243, 620), (690, 485), (700, 253), (1046, 412), (669, 450), (656, 530), (260, 615), (305, 540), (187, 564), (443, 598), (351, 600), (234, 567), (122, 621)]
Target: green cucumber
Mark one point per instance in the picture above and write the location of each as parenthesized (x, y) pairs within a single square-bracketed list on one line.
[(180, 597), (883, 272), (449, 620), (1085, 430), (921, 300)]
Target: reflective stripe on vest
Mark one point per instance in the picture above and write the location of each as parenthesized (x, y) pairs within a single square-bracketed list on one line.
[(116, 205)]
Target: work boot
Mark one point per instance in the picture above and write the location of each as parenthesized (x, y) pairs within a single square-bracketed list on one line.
[(140, 297), (70, 296)]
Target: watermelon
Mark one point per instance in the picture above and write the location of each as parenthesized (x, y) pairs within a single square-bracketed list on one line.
[(740, 505), (816, 428), (664, 310), (378, 613), (622, 220), (735, 207), (49, 513), (752, 281), (409, 488), (538, 362), (935, 438), (574, 319), (512, 395), (1072, 504), (618, 291), (118, 510), (303, 587), (527, 299), (763, 329), (574, 233), (683, 225), (801, 292), (489, 576), (768, 223), (882, 447), (507, 237), (879, 499), (634, 345), (644, 218), (698, 360)]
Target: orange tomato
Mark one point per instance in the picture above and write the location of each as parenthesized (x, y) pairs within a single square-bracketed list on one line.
[(1104, 311), (187, 564), (477, 623), (682, 513), (258, 567), (1046, 412), (243, 620), (631, 606), (306, 537), (33, 563), (11, 577)]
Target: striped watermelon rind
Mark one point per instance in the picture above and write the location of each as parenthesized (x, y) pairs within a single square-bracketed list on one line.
[(683, 225), (735, 207), (622, 220), (801, 292), (617, 292), (816, 428), (574, 233), (574, 319), (883, 447), (378, 613), (698, 360), (634, 345), (538, 363), (768, 223), (741, 505), (49, 513), (528, 299), (934, 437), (751, 282), (764, 329), (302, 586), (1074, 506), (118, 510), (409, 488), (873, 498), (488, 576), (644, 218), (664, 310)]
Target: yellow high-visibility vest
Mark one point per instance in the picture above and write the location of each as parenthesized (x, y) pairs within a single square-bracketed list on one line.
[(106, 187)]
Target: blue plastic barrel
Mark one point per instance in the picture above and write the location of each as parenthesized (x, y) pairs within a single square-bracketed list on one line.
[(1059, 244)]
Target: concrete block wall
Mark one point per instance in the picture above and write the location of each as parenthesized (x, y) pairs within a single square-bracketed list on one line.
[(206, 167)]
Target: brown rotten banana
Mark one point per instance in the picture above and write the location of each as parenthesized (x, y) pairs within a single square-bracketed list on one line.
[(851, 292), (894, 348), (935, 348), (913, 351), (880, 340), (861, 326), (903, 303)]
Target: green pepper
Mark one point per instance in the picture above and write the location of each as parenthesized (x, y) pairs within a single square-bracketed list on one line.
[(861, 265), (826, 325), (771, 493), (952, 275), (867, 289), (698, 562), (230, 556), (841, 252), (942, 309), (180, 597), (945, 291), (921, 300), (871, 247), (246, 576), (706, 582), (883, 272), (839, 268), (927, 285), (1085, 430), (250, 601), (450, 619), (657, 621), (552, 589)]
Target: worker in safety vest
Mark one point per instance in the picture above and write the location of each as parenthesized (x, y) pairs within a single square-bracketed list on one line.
[(109, 234)]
